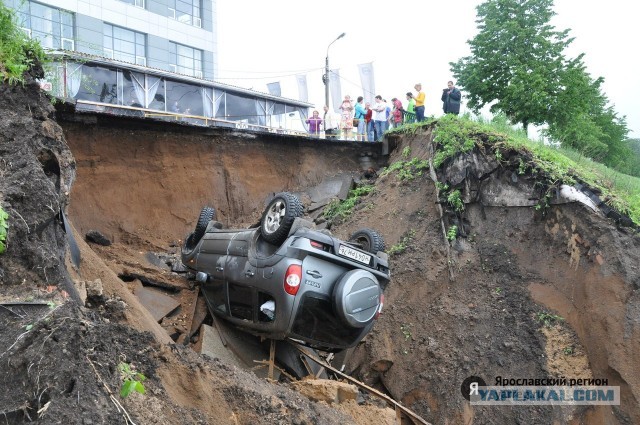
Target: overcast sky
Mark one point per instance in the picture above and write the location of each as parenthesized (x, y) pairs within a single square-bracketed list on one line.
[(408, 42)]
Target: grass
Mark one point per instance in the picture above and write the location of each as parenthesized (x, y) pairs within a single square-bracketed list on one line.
[(406, 169), (456, 135), (340, 210), (402, 246), (548, 319)]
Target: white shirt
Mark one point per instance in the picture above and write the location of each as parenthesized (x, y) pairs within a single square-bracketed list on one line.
[(380, 111), (331, 121)]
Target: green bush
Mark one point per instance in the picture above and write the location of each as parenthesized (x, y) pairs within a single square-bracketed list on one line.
[(18, 53)]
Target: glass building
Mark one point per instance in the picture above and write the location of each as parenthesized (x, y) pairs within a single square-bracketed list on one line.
[(148, 58)]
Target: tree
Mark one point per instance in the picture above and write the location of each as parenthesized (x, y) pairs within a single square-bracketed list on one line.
[(516, 60), (634, 161), (580, 118)]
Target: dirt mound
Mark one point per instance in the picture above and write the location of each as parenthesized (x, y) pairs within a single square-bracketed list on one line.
[(36, 173), (481, 305)]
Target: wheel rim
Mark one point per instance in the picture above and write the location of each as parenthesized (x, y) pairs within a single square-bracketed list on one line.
[(274, 217)]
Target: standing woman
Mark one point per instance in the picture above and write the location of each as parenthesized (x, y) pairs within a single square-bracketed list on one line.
[(396, 113), (360, 114), (314, 124), (346, 117)]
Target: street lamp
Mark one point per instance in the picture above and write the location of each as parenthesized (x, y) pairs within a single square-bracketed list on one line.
[(325, 77)]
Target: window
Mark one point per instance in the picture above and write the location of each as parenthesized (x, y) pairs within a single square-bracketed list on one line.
[(123, 44), (187, 11), (186, 60), (137, 3), (52, 27)]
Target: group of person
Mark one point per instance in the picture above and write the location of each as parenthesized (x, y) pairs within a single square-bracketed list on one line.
[(371, 121)]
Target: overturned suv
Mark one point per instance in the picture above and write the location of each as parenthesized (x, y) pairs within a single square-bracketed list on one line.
[(284, 280)]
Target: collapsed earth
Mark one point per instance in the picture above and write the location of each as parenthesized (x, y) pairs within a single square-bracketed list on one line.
[(499, 267)]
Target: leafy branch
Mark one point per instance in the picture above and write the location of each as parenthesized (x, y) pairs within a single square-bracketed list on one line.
[(132, 380)]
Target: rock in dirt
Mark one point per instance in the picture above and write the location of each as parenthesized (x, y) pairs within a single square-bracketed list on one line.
[(98, 238), (327, 391)]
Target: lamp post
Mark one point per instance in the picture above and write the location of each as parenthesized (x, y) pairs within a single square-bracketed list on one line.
[(325, 77)]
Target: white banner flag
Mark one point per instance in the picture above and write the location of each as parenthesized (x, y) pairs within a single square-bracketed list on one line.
[(303, 94), (274, 89), (368, 82), (336, 89)]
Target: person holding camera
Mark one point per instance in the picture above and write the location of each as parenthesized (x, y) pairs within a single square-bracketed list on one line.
[(451, 99)]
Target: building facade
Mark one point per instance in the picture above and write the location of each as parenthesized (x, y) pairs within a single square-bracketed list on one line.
[(154, 59), (172, 35)]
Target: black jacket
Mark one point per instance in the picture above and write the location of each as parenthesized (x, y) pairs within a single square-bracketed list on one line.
[(451, 101)]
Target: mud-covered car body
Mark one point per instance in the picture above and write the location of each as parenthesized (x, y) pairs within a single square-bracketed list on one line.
[(313, 288)]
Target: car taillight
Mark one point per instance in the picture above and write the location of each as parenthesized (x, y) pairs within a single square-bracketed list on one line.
[(292, 279), (380, 308)]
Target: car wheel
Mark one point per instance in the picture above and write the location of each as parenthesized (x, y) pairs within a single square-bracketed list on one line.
[(368, 239), (357, 298), (278, 217), (206, 215)]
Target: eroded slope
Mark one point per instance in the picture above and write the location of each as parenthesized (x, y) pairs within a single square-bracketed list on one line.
[(477, 305)]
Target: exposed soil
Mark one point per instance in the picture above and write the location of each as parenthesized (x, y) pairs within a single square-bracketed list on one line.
[(61, 359), (473, 308), (452, 310)]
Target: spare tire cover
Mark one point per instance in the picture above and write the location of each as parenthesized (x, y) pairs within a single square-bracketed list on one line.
[(356, 298)]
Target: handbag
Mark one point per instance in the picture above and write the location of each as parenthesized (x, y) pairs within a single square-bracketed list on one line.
[(356, 121)]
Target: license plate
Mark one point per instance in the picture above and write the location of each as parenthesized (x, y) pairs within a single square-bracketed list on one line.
[(360, 257)]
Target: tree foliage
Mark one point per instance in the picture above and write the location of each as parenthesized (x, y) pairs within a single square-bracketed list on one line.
[(517, 66), (516, 60), (580, 118)]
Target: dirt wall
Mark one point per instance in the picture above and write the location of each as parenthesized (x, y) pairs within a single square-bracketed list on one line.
[(151, 180), (524, 293)]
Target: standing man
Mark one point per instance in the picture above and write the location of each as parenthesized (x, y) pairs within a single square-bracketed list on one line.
[(411, 107), (451, 99), (330, 124), (380, 117), (419, 102)]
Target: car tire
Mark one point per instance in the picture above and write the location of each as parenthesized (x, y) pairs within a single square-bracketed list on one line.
[(357, 297), (206, 215), (278, 217), (369, 240)]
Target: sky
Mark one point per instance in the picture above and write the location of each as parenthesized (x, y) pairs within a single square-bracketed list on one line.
[(261, 42)]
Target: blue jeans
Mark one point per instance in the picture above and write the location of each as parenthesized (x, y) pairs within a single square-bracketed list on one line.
[(370, 132), (419, 113), (381, 127)]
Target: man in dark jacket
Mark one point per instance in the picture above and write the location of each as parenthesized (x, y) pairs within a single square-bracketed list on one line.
[(451, 99)]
